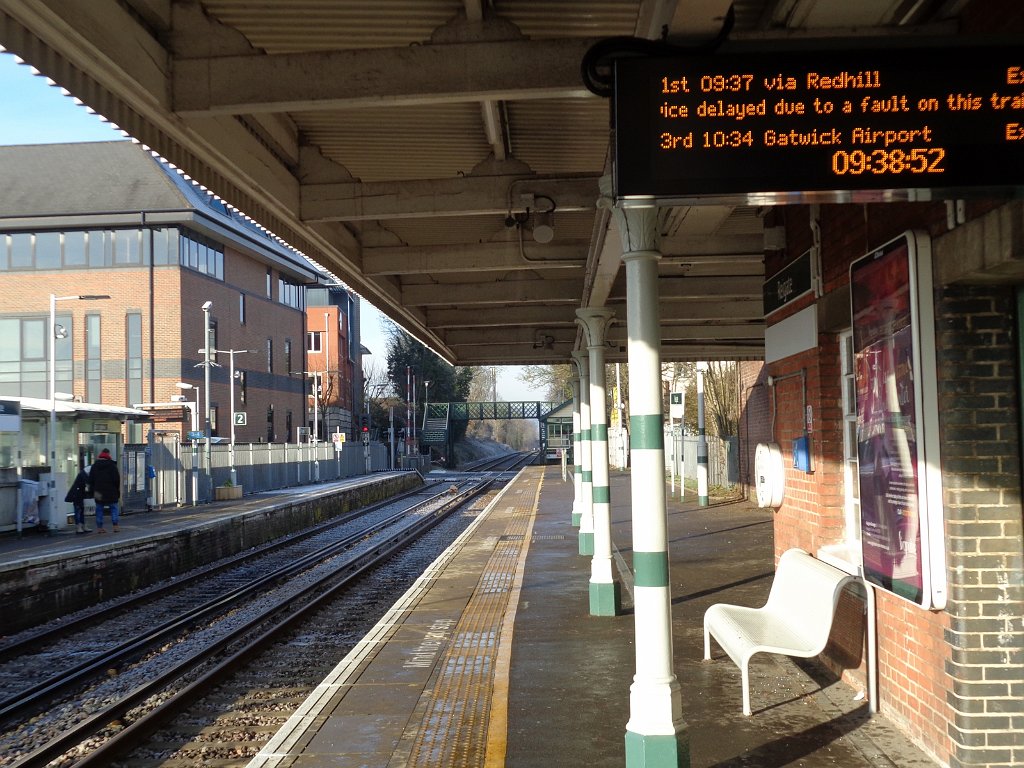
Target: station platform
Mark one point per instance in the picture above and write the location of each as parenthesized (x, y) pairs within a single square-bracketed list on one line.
[(34, 544), (47, 575), (492, 658)]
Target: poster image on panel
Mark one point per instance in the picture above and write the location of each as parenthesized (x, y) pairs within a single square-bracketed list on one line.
[(896, 526)]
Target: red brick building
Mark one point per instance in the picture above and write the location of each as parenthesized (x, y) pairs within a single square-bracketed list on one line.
[(334, 354), (109, 219)]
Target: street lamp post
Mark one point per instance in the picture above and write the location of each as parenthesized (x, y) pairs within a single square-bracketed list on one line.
[(53, 393), (426, 409), (231, 383), (316, 426), (195, 446), (426, 402), (206, 376), (230, 379)]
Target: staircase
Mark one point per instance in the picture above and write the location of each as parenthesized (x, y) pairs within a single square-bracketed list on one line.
[(435, 425)]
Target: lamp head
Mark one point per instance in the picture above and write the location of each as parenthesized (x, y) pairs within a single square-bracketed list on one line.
[(543, 228)]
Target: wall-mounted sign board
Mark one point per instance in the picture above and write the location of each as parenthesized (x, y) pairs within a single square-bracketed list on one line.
[(828, 125)]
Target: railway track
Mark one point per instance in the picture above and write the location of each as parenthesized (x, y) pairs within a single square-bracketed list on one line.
[(110, 700)]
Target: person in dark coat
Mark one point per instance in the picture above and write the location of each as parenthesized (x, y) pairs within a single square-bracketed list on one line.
[(105, 481), (76, 496)]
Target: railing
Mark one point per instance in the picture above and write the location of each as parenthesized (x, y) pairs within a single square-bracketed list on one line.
[(258, 467), (478, 411)]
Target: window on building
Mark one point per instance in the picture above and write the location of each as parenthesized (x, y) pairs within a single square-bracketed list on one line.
[(127, 246), (21, 251), (201, 254), (241, 308), (241, 386), (24, 356), (214, 410), (81, 249), (133, 358), (74, 249), (313, 341), (48, 254), (290, 294), (270, 423), (99, 247), (288, 355), (93, 360), (10, 356), (288, 426), (270, 283), (165, 246), (270, 355)]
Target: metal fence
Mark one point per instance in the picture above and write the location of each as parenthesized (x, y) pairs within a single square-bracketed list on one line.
[(723, 458), (179, 475)]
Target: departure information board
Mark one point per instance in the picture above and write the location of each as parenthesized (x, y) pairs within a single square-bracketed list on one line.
[(861, 125)]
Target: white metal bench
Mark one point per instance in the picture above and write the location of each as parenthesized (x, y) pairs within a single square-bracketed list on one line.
[(795, 621)]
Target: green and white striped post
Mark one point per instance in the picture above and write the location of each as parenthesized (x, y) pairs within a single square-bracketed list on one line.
[(605, 598), (586, 535), (577, 468), (702, 440), (655, 734)]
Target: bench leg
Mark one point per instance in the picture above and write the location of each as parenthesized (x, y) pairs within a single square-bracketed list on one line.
[(707, 643), (745, 677)]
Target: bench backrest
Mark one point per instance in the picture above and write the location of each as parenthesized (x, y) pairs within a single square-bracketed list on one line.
[(806, 591)]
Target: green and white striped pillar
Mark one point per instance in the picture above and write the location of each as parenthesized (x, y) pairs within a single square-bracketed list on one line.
[(655, 734), (586, 535), (577, 468), (605, 598), (702, 440)]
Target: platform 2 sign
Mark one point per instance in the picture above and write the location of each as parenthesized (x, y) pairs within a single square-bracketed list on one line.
[(848, 125)]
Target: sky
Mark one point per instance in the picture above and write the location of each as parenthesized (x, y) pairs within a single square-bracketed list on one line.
[(32, 111)]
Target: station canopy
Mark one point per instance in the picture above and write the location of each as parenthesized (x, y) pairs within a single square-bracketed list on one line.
[(442, 157)]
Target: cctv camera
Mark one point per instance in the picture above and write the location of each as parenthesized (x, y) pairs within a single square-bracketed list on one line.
[(207, 305)]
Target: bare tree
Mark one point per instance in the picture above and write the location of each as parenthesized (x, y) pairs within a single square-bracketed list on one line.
[(554, 380), (722, 398)]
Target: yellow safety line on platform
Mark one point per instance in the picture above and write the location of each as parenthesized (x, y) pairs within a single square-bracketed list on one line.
[(497, 727), (455, 729)]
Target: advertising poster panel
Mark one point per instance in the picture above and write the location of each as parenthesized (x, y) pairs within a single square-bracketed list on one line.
[(892, 468)]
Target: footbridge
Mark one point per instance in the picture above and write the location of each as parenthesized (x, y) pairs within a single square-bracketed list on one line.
[(438, 417)]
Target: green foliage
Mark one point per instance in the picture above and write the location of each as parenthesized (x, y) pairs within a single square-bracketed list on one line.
[(446, 382)]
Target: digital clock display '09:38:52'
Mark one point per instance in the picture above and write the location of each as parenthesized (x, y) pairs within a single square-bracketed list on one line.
[(889, 161)]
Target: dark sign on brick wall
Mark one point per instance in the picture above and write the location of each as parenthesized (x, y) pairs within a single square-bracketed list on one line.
[(789, 283)]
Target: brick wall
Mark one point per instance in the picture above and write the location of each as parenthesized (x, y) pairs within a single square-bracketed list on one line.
[(265, 318), (980, 425), (953, 680)]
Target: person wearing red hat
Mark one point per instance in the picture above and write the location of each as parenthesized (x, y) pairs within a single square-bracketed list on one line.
[(105, 481)]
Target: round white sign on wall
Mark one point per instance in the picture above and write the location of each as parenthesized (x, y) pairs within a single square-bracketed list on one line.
[(769, 475)]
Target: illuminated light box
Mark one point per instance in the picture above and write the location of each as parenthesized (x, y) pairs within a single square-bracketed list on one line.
[(898, 453), (838, 126)]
